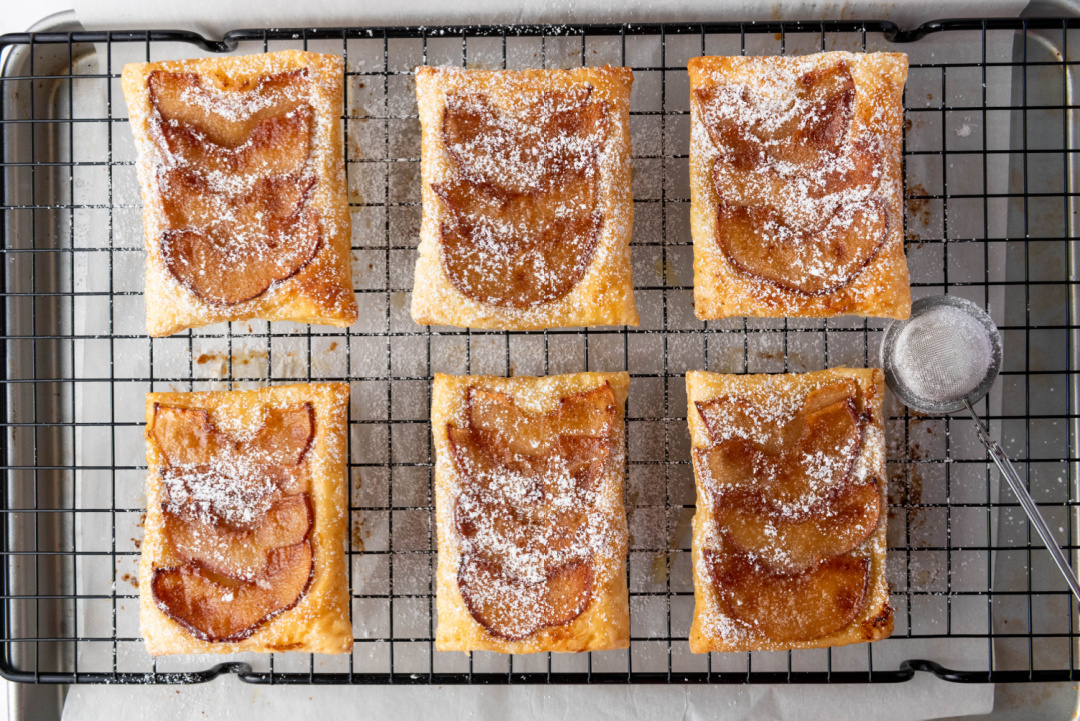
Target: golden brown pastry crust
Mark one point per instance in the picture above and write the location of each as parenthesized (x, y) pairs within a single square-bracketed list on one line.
[(321, 292), (319, 623), (605, 624), (605, 294), (712, 629), (882, 288)]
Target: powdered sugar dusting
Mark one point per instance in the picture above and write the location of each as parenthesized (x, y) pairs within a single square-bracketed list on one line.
[(518, 221), (233, 491), (758, 414), (243, 179), (532, 525), (797, 152), (523, 208)]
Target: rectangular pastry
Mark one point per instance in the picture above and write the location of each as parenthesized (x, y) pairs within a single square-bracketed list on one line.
[(529, 506), (527, 201), (789, 534), (243, 182), (246, 521), (795, 185)]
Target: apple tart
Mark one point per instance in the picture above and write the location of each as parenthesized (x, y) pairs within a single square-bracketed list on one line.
[(243, 182), (246, 521), (529, 505), (527, 204), (789, 534), (796, 188)]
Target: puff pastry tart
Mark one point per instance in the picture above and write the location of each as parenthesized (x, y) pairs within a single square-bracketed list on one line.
[(243, 185), (527, 198), (246, 521), (529, 505), (796, 188), (789, 533)]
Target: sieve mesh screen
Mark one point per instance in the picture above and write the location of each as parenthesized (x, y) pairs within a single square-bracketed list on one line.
[(943, 354)]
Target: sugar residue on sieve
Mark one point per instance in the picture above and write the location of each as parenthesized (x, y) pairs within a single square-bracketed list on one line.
[(943, 355)]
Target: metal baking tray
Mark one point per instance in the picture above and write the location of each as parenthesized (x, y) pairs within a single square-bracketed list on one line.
[(990, 186)]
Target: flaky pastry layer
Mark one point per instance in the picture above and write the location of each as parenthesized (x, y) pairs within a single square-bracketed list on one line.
[(881, 288), (605, 623), (712, 628), (319, 622), (320, 291), (604, 295)]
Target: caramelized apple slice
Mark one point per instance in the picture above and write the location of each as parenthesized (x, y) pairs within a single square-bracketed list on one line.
[(497, 416), (469, 459), (284, 437), (834, 527), (259, 125), (828, 395), (514, 610), (186, 436), (824, 445), (591, 413), (490, 526), (584, 459), (506, 609), (757, 242), (224, 269), (828, 97), (239, 554), (276, 146), (811, 129), (213, 611), (791, 608), (726, 112), (727, 416), (232, 492), (816, 454), (760, 150), (572, 440), (230, 107), (519, 251), (569, 590), (190, 201), (550, 134)]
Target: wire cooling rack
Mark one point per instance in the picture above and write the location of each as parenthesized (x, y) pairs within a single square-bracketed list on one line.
[(989, 150)]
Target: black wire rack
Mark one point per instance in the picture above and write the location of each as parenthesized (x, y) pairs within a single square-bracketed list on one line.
[(989, 151)]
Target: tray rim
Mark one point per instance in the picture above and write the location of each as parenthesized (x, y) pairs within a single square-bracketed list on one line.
[(890, 31)]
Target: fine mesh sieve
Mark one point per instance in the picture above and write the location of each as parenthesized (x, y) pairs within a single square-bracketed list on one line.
[(946, 353), (943, 359)]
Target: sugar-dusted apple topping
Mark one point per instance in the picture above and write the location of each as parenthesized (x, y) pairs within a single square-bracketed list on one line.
[(790, 467), (797, 179), (838, 524), (525, 516), (234, 183), (758, 242), (237, 514), (214, 609), (788, 608), (789, 509), (514, 609), (523, 204), (239, 553)]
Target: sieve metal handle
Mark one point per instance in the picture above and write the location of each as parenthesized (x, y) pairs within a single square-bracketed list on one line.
[(1017, 485)]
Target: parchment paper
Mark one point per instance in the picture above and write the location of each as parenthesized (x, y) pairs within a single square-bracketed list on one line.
[(922, 698), (214, 17)]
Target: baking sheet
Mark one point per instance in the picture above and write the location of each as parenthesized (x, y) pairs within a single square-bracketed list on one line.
[(923, 698)]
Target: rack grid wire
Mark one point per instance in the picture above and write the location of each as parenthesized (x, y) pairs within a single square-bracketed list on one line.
[(989, 150)]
